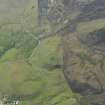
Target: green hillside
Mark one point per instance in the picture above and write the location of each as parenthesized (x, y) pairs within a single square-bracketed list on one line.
[(31, 69), (27, 67)]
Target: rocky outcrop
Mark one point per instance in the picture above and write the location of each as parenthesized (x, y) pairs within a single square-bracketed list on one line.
[(94, 39), (84, 68)]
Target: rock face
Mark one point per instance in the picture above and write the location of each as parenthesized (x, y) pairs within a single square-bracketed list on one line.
[(94, 39), (84, 57), (84, 66)]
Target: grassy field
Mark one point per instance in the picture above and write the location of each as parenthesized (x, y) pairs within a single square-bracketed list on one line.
[(48, 85), (55, 88), (86, 27)]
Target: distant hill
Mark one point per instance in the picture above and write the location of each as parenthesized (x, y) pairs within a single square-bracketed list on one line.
[(93, 10)]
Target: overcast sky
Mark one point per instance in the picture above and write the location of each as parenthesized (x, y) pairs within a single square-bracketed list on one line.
[(12, 7)]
